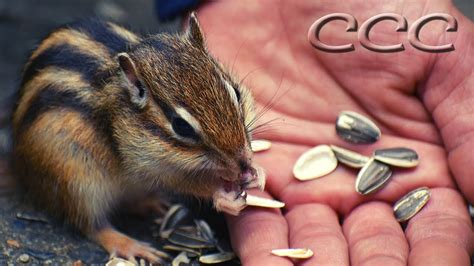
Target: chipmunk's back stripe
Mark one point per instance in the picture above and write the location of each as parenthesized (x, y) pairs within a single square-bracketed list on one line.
[(65, 56), (79, 40), (51, 98), (49, 76), (103, 33)]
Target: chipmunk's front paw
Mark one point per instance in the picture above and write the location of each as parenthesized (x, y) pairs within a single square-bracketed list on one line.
[(229, 202)]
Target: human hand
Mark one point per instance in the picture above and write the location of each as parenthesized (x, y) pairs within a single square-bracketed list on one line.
[(420, 100)]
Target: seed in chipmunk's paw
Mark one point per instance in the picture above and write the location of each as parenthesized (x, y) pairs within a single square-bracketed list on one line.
[(349, 158), (294, 253), (410, 204), (400, 157), (316, 162), (356, 128), (256, 201), (216, 258), (260, 145), (372, 177)]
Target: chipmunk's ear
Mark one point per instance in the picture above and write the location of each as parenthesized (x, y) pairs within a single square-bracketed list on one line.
[(137, 91), (194, 32)]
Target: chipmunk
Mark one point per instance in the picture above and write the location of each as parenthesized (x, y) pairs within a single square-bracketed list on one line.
[(107, 118)]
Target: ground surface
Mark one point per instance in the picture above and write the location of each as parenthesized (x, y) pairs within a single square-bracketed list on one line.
[(22, 24)]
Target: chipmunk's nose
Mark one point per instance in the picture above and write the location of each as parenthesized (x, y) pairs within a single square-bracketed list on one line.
[(247, 172), (244, 165)]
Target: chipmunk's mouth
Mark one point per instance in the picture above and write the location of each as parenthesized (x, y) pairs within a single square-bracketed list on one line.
[(240, 182)]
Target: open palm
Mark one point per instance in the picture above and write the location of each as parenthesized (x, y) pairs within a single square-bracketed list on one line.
[(420, 100)]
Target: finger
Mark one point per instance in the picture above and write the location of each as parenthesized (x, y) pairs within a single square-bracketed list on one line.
[(374, 236), (441, 233), (255, 232), (316, 226)]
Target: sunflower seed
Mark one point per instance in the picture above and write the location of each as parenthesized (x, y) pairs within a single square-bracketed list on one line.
[(295, 253), (119, 262), (411, 203), (173, 217), (356, 128), (24, 258), (373, 176), (314, 163), (260, 145), (349, 158), (189, 241), (180, 248), (263, 202), (401, 157), (205, 230), (471, 210), (181, 258), (216, 257)]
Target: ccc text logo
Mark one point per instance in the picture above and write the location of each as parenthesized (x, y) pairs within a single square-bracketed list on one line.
[(363, 32)]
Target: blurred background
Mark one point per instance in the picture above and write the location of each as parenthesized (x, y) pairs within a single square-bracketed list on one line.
[(22, 24)]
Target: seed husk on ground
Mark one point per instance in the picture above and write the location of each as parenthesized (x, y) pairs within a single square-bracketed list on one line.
[(356, 128), (189, 241), (373, 176), (217, 257), (119, 262), (181, 248), (259, 145), (181, 258), (316, 162), (173, 217), (204, 230), (400, 157), (349, 158), (263, 202), (410, 204), (295, 253)]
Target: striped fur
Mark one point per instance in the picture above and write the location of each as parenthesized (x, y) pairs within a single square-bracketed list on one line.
[(82, 147)]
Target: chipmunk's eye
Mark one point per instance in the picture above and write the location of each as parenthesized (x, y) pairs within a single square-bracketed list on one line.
[(183, 128), (237, 93)]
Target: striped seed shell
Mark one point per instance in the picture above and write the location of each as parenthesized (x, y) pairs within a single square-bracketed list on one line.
[(400, 157), (180, 249), (173, 218), (314, 163), (263, 202), (260, 145), (349, 158), (189, 241), (411, 203), (181, 258), (217, 257), (295, 253), (356, 128), (372, 177), (119, 262), (205, 230)]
